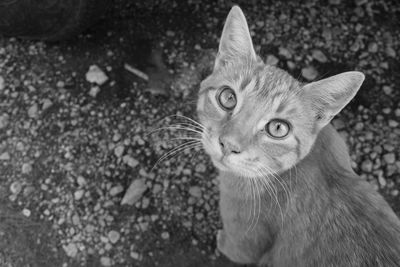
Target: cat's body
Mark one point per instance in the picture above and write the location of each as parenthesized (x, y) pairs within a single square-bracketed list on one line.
[(334, 218), (288, 194)]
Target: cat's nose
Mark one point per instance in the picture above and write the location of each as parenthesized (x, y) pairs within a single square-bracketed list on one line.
[(229, 145)]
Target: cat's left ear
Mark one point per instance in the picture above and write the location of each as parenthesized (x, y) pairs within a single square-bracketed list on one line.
[(235, 40), (329, 96)]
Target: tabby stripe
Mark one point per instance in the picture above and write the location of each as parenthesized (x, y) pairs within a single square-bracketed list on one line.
[(245, 82), (298, 150)]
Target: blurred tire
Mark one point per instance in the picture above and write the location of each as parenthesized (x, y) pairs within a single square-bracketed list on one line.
[(50, 20)]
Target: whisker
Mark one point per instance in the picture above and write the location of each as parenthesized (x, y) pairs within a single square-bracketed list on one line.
[(174, 151)]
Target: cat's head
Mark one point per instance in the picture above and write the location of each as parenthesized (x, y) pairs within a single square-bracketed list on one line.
[(259, 119)]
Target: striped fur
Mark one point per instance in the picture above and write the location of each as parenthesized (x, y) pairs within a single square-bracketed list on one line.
[(291, 201)]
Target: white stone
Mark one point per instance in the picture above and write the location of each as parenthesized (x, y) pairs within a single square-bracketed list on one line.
[(116, 190), (130, 161), (113, 236), (310, 73), (134, 192), (96, 75)]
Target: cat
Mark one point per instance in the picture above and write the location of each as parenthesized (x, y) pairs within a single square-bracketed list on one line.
[(288, 194)]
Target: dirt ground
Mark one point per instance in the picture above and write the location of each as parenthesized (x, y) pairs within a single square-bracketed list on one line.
[(69, 149)]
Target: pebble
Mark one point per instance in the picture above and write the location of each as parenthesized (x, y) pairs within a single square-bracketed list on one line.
[(113, 236), (310, 73), (71, 250), (105, 261), (338, 124), (366, 166), (130, 161), (2, 83), (145, 203), (373, 47), (135, 255), (165, 235), (33, 111), (5, 156), (390, 52), (389, 158), (134, 192), (81, 180), (195, 191), (94, 91), (394, 192), (397, 112), (119, 150), (359, 126), (46, 104), (381, 181), (78, 194), (393, 123), (96, 75), (116, 190), (200, 168), (387, 89), (285, 52), (319, 56), (26, 212), (272, 60), (4, 120), (26, 168), (15, 187)]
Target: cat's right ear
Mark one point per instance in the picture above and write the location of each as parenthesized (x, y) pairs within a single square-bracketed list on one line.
[(235, 39)]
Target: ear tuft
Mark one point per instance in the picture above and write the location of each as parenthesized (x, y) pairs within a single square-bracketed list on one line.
[(235, 39), (329, 96)]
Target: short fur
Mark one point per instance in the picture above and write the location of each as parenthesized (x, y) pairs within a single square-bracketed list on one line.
[(293, 201)]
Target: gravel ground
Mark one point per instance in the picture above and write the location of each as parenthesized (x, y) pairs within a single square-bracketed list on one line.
[(70, 148)]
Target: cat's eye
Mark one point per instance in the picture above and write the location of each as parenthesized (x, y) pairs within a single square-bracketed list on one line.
[(226, 98), (277, 128)]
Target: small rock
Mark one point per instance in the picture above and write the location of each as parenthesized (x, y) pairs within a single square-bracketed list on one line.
[(195, 191), (5, 156), (60, 84), (390, 52), (381, 181), (116, 190), (116, 137), (145, 203), (394, 192), (156, 189), (119, 150), (136, 256), (310, 73), (165, 235), (389, 158), (200, 168), (81, 180), (4, 120), (285, 52), (131, 162), (113, 236), (387, 89), (94, 90), (359, 126), (338, 124), (105, 261), (76, 220), (78, 194), (2, 83), (71, 250), (134, 192), (96, 75), (271, 60), (26, 212), (397, 112), (319, 56), (15, 187), (33, 111), (26, 168), (366, 166), (46, 104), (373, 47), (393, 123)]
